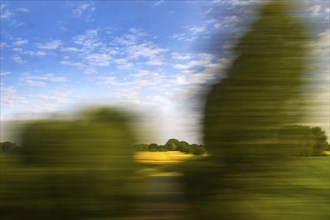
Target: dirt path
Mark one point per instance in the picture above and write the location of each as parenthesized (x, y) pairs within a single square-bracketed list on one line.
[(162, 199)]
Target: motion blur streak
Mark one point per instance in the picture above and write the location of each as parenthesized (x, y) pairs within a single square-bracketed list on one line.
[(80, 168), (252, 173), (254, 169)]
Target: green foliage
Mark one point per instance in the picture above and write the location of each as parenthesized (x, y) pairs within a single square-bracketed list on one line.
[(141, 147), (9, 147), (173, 145), (303, 140), (260, 92), (321, 143), (77, 169), (153, 147)]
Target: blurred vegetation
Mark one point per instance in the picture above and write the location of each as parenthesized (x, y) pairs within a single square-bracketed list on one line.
[(251, 171), (81, 168), (9, 147), (303, 140), (173, 145), (260, 165)]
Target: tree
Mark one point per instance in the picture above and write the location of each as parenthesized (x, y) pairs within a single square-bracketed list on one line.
[(302, 140), (80, 168), (172, 144), (259, 94), (9, 147), (153, 147), (321, 143), (141, 147), (198, 149), (298, 139)]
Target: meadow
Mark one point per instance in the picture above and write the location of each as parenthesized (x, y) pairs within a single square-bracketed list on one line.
[(301, 192)]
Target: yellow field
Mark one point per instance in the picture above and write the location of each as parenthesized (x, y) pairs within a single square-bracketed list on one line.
[(327, 152), (155, 158)]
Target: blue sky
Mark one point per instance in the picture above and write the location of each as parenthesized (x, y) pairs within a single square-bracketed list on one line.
[(150, 56)]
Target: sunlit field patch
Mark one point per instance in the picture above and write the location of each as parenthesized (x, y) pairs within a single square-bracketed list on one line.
[(159, 158), (327, 152)]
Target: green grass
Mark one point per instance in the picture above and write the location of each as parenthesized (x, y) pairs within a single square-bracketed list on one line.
[(300, 192)]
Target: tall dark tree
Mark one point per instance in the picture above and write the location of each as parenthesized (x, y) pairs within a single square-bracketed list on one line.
[(260, 93)]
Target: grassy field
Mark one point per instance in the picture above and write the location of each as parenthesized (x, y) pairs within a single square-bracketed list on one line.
[(302, 192), (161, 158)]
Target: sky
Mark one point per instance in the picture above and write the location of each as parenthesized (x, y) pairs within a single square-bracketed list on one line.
[(152, 57)]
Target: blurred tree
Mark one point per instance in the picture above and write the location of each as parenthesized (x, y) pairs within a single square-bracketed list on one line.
[(9, 147), (162, 148), (153, 147), (184, 147), (198, 149), (321, 143), (303, 140), (172, 144), (298, 140), (77, 169), (141, 147), (260, 93)]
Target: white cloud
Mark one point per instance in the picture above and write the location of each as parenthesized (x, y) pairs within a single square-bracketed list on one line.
[(9, 97), (96, 59), (53, 98), (197, 29), (4, 73), (84, 9), (181, 36), (146, 73), (158, 3), (178, 56), (108, 80), (138, 32), (188, 77), (321, 46), (123, 64), (6, 14), (81, 66), (52, 45), (204, 59), (239, 2), (41, 80), (24, 10), (70, 49), (20, 42), (3, 45), (35, 53), (149, 50), (88, 40), (18, 59), (126, 40), (315, 10)]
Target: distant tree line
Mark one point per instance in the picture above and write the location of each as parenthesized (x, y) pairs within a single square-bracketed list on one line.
[(302, 140), (173, 145), (299, 140), (9, 147)]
